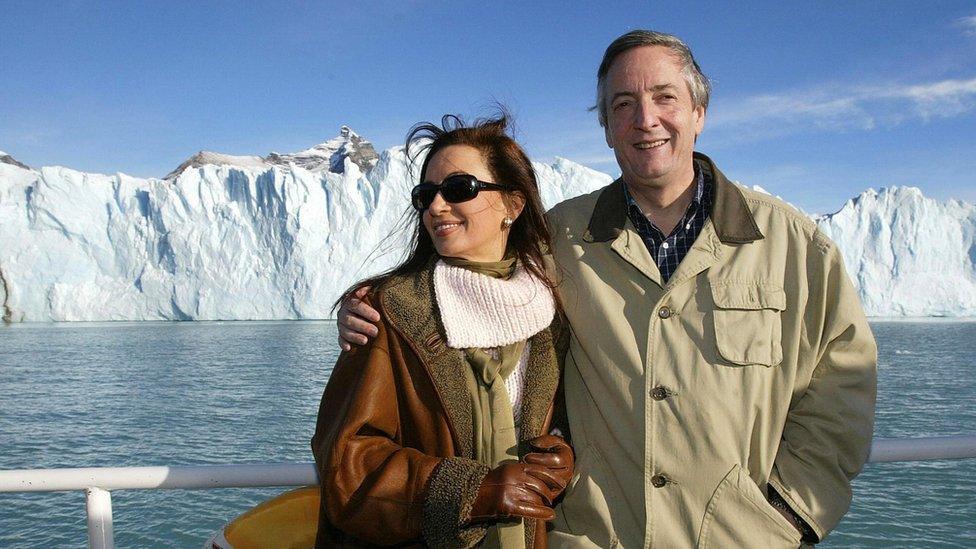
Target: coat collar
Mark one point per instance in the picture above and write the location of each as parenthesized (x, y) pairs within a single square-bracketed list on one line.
[(733, 221), (409, 303)]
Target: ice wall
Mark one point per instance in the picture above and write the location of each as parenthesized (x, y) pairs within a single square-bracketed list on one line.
[(213, 242), (280, 238)]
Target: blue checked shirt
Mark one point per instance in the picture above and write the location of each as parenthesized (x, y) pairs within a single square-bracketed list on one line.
[(668, 251)]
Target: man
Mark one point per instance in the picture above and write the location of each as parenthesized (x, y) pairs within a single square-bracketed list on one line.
[(720, 381)]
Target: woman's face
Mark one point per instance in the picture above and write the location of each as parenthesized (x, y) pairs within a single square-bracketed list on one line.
[(471, 230)]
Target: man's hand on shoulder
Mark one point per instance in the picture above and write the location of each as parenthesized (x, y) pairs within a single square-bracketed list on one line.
[(356, 320)]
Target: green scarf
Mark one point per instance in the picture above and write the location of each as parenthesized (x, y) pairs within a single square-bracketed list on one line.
[(495, 269), (495, 435)]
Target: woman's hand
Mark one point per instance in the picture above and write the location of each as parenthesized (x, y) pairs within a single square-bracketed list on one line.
[(555, 458), (512, 490), (356, 320)]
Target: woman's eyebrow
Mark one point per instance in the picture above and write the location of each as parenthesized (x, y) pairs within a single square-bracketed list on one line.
[(452, 174)]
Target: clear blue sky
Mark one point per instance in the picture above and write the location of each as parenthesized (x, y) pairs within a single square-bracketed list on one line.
[(814, 101)]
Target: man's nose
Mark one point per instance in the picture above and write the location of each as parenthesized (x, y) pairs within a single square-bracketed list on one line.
[(646, 115)]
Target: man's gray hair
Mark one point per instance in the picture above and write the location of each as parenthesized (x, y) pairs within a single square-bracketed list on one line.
[(698, 83)]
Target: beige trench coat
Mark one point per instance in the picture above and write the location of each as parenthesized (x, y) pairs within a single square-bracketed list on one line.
[(753, 366)]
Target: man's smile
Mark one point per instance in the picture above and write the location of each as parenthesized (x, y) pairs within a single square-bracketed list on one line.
[(643, 145)]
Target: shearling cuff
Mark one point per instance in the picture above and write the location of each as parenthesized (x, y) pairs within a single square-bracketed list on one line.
[(451, 492)]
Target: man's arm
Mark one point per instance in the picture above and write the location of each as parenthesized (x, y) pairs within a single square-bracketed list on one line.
[(357, 320), (828, 430)]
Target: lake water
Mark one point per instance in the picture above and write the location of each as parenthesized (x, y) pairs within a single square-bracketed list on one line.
[(79, 395)]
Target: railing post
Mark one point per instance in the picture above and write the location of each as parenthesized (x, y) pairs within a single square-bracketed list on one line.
[(100, 534)]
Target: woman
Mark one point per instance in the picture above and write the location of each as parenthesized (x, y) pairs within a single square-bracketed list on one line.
[(435, 432)]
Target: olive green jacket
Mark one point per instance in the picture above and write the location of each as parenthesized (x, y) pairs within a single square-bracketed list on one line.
[(753, 366)]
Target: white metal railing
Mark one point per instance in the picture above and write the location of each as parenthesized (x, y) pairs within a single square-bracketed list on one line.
[(99, 481), (922, 449)]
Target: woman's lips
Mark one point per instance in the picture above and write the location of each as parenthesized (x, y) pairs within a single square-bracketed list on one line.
[(444, 228)]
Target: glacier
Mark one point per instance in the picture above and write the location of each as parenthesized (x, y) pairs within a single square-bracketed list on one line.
[(908, 255), (221, 238), (281, 236)]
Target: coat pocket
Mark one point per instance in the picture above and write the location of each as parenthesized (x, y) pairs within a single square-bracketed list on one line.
[(748, 327), (738, 515), (585, 510)]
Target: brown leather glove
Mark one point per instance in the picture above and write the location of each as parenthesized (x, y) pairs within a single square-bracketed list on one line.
[(556, 458), (512, 490)]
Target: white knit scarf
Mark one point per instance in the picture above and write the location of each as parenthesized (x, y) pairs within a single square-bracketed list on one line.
[(480, 311), (484, 312)]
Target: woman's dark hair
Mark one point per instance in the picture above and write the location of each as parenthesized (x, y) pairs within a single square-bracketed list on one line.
[(528, 238)]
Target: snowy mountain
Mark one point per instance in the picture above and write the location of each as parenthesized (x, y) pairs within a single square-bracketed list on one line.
[(324, 157), (280, 237), (332, 154), (7, 159)]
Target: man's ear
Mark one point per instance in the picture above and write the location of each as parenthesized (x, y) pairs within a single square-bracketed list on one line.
[(699, 121), (607, 135)]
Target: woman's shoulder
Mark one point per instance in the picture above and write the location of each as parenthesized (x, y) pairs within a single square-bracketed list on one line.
[(403, 296), (389, 283), (406, 283)]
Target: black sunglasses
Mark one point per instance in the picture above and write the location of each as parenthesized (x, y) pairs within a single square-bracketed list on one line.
[(456, 188)]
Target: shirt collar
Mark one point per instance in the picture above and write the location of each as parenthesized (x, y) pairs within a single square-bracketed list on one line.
[(734, 222), (696, 201)]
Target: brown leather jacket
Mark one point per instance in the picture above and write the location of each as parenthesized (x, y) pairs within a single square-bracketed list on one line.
[(393, 443)]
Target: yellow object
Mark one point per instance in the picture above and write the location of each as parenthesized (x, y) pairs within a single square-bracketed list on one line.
[(287, 521)]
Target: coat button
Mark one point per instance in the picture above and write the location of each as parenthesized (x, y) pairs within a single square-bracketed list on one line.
[(659, 393), (659, 481), (664, 312)]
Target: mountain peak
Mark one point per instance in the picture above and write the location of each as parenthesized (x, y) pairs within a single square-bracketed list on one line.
[(328, 156), (7, 159), (204, 158), (331, 155)]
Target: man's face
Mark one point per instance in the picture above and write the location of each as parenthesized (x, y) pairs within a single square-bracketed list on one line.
[(652, 122)]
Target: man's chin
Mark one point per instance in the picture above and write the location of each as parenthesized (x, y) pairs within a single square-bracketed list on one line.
[(648, 178)]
